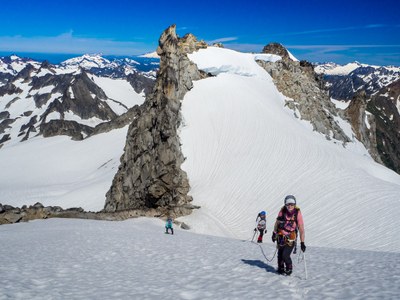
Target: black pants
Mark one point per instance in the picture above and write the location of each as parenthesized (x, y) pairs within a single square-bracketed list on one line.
[(284, 257)]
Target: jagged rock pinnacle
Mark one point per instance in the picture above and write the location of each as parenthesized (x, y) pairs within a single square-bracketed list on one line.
[(150, 174)]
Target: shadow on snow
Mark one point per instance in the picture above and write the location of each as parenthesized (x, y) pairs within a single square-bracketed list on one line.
[(260, 264)]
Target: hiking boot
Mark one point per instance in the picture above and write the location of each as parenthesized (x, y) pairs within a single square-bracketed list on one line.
[(259, 241), (280, 271), (288, 272)]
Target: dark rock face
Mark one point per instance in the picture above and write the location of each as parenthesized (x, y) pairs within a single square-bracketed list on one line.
[(383, 107), (358, 116), (64, 127), (376, 122), (4, 115), (150, 175), (83, 104), (5, 124), (9, 89), (119, 122), (141, 83)]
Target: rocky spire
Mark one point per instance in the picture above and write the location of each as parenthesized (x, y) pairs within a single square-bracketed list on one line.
[(277, 49), (150, 174)]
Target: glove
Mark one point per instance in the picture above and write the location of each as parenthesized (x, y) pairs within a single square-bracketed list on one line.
[(255, 229), (303, 247), (274, 237), (265, 231)]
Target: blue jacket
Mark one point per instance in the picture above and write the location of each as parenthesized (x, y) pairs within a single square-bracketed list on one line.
[(169, 223)]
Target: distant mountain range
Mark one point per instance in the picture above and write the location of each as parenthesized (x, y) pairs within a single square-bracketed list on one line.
[(72, 98), (344, 81)]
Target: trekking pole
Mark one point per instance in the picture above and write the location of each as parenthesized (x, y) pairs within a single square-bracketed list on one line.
[(253, 235), (305, 264)]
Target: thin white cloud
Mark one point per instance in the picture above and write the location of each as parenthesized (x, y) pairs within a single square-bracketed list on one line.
[(339, 47), (337, 53), (370, 54), (375, 26), (223, 40), (322, 30), (68, 43)]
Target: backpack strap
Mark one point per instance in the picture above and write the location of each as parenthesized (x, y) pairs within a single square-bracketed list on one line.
[(294, 218)]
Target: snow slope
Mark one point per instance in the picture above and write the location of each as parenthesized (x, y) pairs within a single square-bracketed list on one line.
[(120, 91), (59, 171), (134, 259), (245, 152)]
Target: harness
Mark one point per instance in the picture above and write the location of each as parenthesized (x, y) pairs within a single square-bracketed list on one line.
[(286, 225)]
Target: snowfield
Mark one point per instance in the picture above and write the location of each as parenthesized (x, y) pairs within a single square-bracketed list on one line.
[(134, 259), (61, 172)]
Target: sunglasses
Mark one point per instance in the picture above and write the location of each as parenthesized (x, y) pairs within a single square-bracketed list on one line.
[(290, 204)]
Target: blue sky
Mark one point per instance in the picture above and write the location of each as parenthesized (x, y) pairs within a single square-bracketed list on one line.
[(318, 31)]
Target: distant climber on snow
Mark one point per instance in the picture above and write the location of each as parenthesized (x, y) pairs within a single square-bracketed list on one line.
[(168, 226), (261, 226), (288, 223)]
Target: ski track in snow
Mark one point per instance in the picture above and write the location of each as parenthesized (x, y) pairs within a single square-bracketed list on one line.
[(134, 259)]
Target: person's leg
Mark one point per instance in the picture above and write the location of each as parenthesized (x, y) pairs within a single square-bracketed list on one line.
[(287, 251), (281, 265), (260, 235)]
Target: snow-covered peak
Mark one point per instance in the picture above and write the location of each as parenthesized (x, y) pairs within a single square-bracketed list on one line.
[(14, 64), (87, 61), (335, 69), (150, 55), (131, 61)]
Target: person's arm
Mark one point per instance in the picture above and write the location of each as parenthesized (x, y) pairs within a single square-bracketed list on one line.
[(302, 234), (301, 226)]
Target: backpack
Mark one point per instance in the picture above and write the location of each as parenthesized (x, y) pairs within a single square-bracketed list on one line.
[(262, 224)]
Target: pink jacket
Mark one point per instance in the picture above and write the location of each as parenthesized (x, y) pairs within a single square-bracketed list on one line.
[(291, 226)]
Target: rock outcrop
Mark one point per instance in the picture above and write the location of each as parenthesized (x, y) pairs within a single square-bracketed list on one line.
[(384, 106), (277, 49), (302, 87), (363, 124), (150, 174), (11, 215), (376, 123)]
